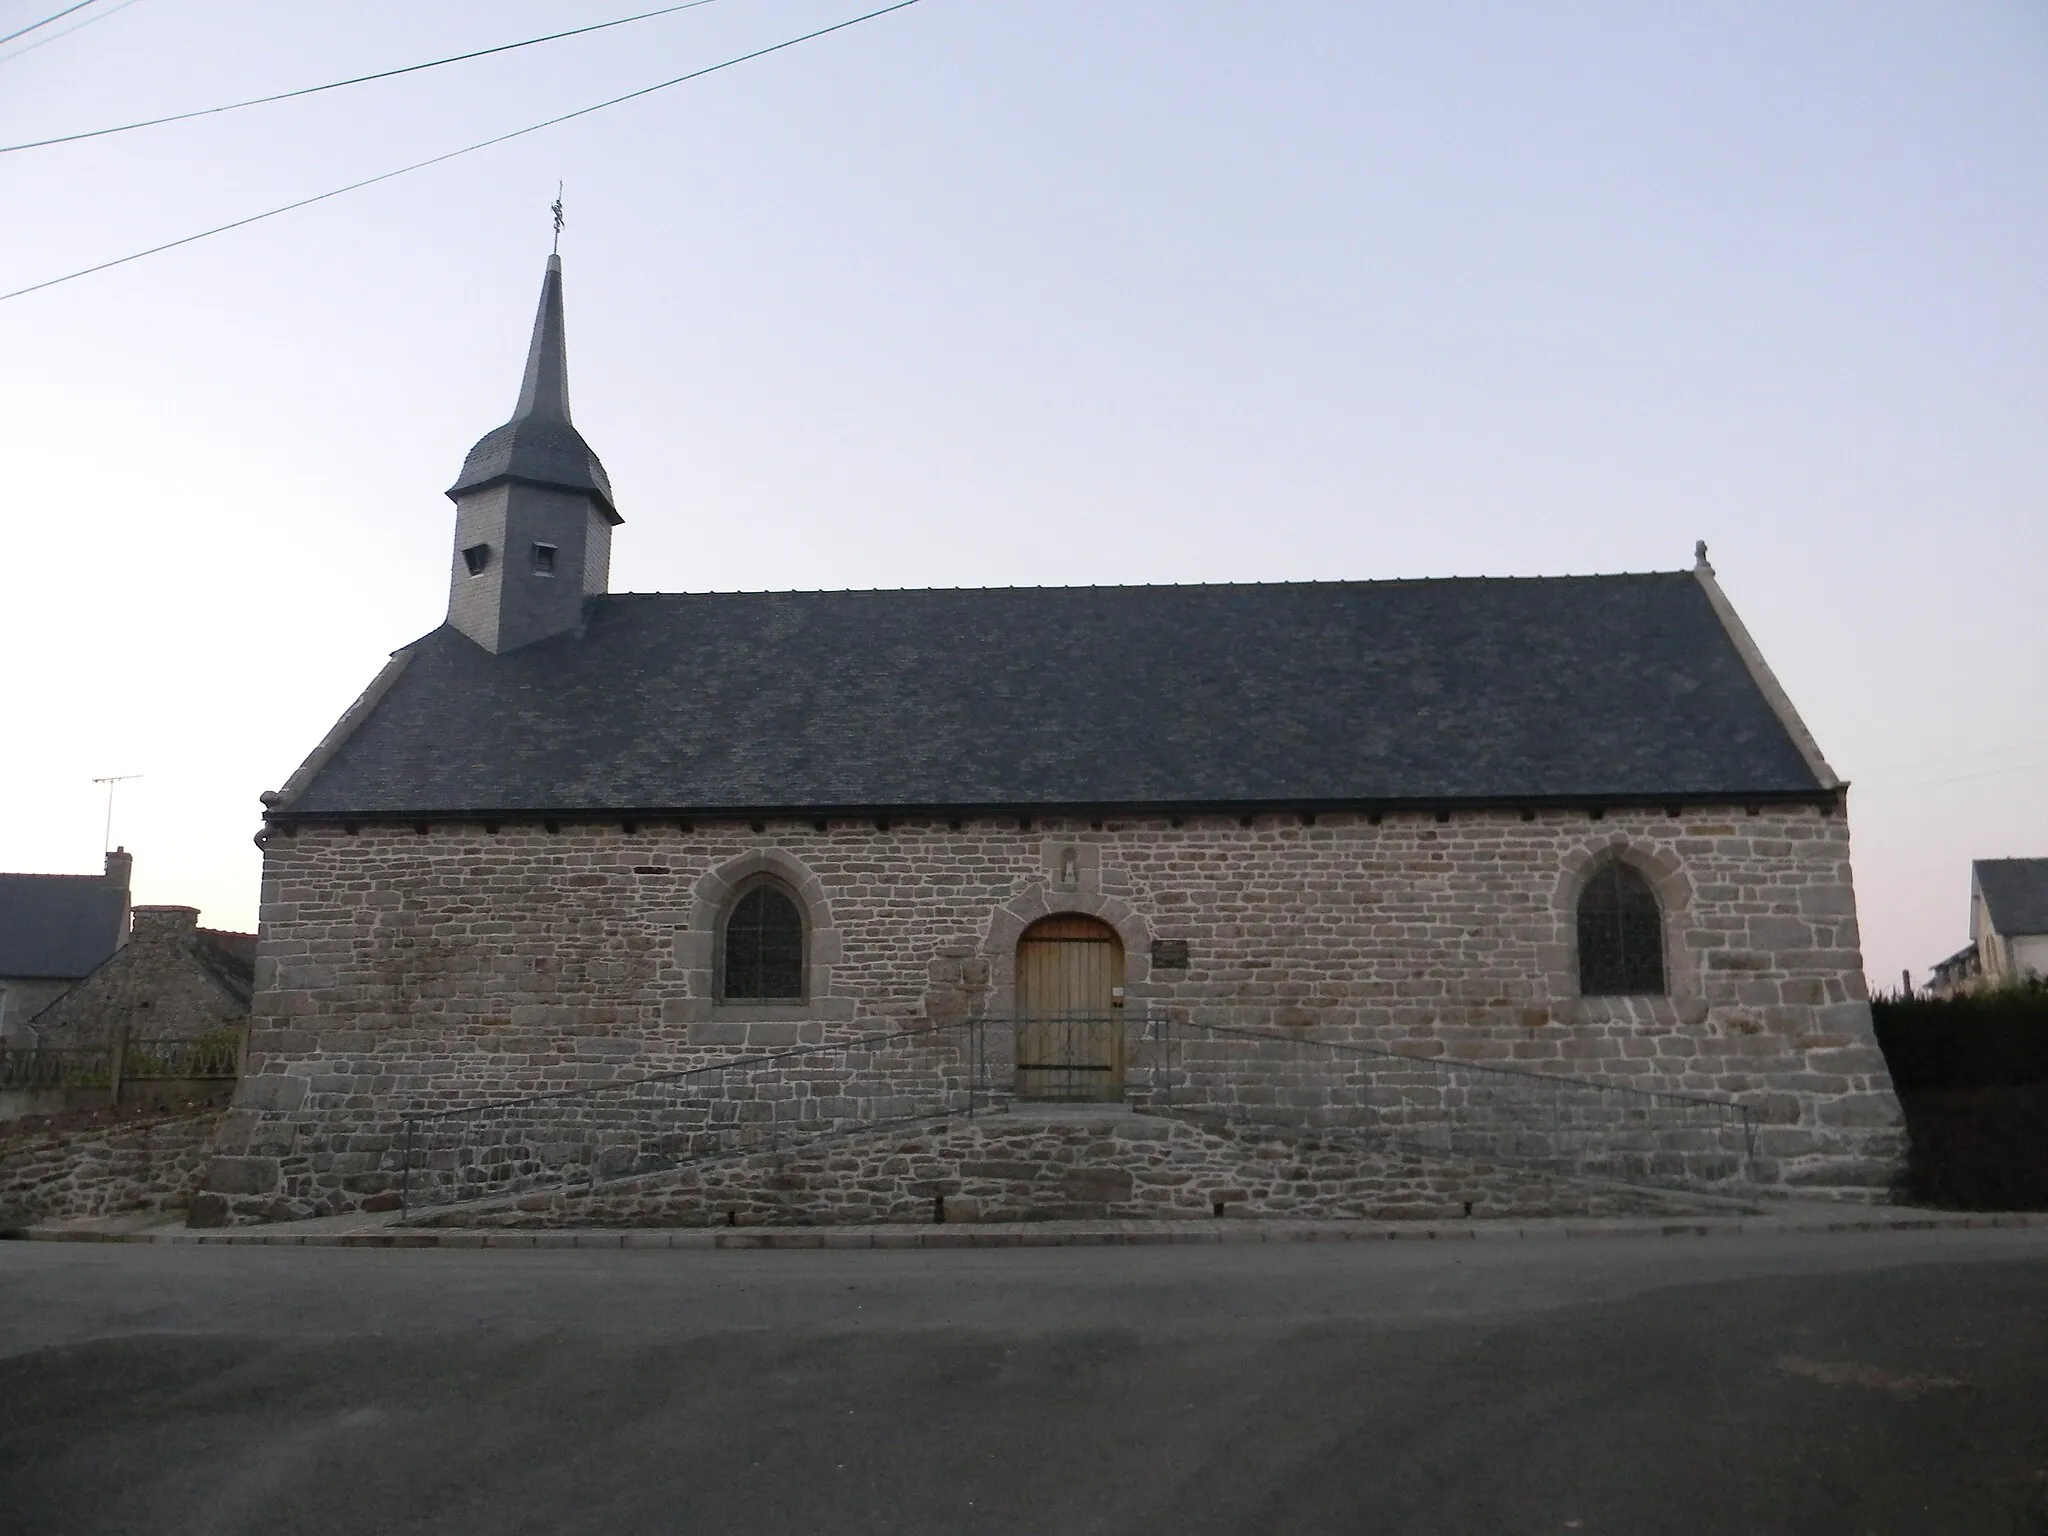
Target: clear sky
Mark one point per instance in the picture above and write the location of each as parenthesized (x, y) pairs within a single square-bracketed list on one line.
[(1002, 293)]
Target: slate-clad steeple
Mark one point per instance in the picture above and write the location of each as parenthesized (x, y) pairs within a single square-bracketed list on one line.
[(534, 511), (545, 389)]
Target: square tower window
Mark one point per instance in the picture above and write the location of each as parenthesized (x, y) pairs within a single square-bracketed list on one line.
[(476, 557), (543, 559)]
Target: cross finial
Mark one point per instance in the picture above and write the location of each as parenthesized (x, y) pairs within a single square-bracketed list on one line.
[(557, 211)]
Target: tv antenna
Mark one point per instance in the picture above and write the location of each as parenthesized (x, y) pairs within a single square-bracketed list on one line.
[(111, 780)]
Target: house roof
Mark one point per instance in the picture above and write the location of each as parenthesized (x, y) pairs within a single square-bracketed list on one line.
[(1583, 687), (1964, 959), (230, 958), (58, 926), (2015, 892)]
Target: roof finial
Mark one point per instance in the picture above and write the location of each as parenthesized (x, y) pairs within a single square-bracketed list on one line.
[(557, 211), (1699, 557)]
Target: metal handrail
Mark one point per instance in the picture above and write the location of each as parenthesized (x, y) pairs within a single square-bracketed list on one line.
[(678, 1074), (776, 1099), (1387, 1053), (1660, 1137), (659, 1121)]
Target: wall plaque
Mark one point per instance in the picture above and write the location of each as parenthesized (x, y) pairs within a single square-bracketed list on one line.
[(1170, 954)]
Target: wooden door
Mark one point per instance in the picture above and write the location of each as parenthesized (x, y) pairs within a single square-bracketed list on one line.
[(1070, 1031)]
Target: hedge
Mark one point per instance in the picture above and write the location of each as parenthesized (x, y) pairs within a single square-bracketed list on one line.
[(1995, 1038)]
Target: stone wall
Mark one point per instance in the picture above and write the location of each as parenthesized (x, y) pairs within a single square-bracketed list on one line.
[(406, 968), (21, 999), (1044, 1165), (135, 1165), (157, 985)]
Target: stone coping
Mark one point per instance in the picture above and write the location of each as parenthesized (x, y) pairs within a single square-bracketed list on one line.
[(358, 1231)]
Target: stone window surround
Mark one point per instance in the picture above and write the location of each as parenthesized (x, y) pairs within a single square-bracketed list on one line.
[(1007, 923), (1682, 981), (697, 942)]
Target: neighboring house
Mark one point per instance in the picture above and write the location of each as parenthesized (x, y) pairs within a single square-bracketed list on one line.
[(171, 980), (572, 837), (55, 929), (2009, 918), (1955, 975)]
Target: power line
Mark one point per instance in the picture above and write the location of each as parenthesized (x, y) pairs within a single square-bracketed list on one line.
[(34, 25), (1881, 787), (76, 26), (335, 85), (1975, 755), (453, 154)]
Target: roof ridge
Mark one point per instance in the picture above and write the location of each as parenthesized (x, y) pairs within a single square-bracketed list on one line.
[(1153, 586)]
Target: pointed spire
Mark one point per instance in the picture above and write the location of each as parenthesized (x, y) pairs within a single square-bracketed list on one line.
[(545, 390), (539, 446)]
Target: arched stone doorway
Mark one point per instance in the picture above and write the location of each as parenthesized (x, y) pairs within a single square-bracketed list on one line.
[(1070, 1023)]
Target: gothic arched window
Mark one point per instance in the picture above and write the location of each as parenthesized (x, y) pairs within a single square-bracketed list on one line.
[(1621, 934), (762, 950)]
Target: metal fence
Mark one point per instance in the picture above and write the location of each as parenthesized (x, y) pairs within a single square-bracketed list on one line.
[(34, 1069), (1075, 1057), (48, 1068), (210, 1058)]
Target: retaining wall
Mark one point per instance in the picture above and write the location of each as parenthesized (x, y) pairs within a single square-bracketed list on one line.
[(134, 1165), (1042, 1165)]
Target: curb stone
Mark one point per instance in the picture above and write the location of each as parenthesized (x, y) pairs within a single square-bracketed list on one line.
[(357, 1232)]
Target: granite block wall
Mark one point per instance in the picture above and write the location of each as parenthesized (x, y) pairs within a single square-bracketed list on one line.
[(1043, 1166), (153, 1164), (405, 968)]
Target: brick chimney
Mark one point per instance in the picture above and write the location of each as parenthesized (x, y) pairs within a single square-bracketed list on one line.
[(120, 866), (157, 925)]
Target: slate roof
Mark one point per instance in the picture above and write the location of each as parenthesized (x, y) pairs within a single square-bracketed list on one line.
[(539, 445), (58, 926), (2016, 892), (230, 958), (1586, 687)]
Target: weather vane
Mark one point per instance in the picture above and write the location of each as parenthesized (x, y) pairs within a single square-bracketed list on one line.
[(558, 218)]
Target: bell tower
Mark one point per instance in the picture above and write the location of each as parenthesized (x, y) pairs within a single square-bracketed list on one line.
[(533, 507)]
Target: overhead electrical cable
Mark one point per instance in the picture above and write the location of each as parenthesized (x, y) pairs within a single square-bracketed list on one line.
[(453, 154), (37, 25), (1974, 755), (335, 85), (1880, 786), (76, 26)]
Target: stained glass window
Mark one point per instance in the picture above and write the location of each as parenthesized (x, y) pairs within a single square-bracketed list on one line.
[(764, 948), (1621, 934)]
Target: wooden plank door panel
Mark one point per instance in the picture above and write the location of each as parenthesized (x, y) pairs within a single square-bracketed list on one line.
[(1070, 1036)]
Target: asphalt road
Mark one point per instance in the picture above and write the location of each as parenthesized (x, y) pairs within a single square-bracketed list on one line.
[(1868, 1383)]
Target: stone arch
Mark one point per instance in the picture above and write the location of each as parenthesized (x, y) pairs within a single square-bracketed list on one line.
[(1006, 925), (716, 889), (1664, 871)]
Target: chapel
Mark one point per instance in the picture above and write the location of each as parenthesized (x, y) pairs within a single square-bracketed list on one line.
[(1563, 835)]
